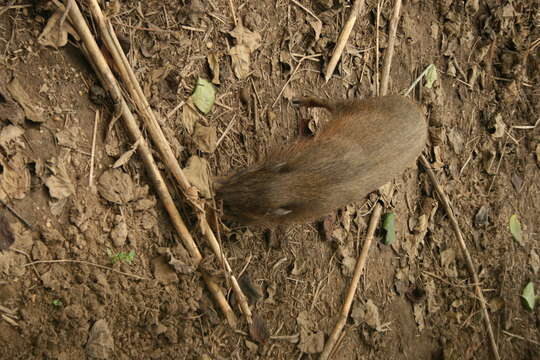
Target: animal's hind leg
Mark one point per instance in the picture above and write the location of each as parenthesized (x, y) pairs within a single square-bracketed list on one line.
[(313, 102)]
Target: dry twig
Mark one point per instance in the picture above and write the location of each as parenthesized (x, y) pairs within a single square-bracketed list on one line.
[(342, 40), (93, 154), (461, 241), (164, 148), (106, 76), (85, 263)]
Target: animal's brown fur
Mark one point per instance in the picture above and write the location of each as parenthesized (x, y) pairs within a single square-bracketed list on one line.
[(365, 144)]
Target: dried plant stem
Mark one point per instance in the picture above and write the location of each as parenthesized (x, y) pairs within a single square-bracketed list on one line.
[(162, 144), (461, 241), (220, 299), (109, 82), (359, 267), (93, 153), (390, 49), (85, 263), (343, 38)]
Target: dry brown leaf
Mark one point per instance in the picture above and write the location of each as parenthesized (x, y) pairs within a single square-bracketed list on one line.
[(55, 34), (241, 62), (189, 116), (32, 111), (244, 36), (205, 137), (125, 157), (116, 186), (179, 259), (316, 24), (213, 63), (196, 172), (448, 262), (59, 184), (163, 272), (499, 126), (15, 177), (9, 133)]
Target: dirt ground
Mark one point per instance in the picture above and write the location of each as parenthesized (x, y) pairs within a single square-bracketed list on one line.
[(415, 300)]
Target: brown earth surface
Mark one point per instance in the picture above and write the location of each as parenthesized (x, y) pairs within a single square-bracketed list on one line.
[(415, 299)]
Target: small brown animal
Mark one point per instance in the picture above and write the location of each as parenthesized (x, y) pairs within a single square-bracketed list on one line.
[(365, 144)]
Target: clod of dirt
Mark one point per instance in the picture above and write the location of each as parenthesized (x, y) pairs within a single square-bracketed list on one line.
[(32, 111), (327, 226), (6, 234), (49, 281), (205, 137), (116, 186), (119, 232), (100, 343), (196, 172)]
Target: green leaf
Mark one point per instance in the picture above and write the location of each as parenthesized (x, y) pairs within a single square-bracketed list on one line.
[(204, 95), (130, 256), (389, 226), (515, 229), (529, 296), (121, 256), (57, 302), (431, 76)]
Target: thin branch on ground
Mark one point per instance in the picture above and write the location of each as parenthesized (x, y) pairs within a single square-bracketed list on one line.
[(343, 38), (67, 261), (461, 242)]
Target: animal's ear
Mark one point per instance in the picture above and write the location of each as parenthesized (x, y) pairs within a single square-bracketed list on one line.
[(281, 211)]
